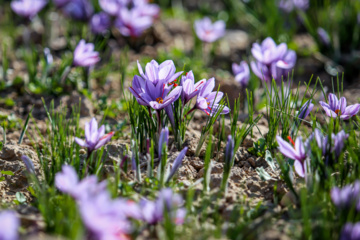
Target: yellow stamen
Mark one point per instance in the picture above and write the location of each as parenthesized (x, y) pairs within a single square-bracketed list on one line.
[(159, 100)]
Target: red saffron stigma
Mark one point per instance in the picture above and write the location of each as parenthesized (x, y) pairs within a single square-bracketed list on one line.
[(292, 141)]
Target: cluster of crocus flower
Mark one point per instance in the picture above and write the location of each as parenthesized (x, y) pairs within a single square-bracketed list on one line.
[(107, 218), (347, 197), (209, 32), (338, 108), (157, 89), (272, 61), (27, 8), (290, 5), (338, 142), (131, 18), (95, 137), (9, 224)]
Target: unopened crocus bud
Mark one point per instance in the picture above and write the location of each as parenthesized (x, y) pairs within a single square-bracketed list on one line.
[(323, 36), (28, 164), (229, 150), (177, 163), (48, 57), (84, 55), (163, 139), (305, 109)]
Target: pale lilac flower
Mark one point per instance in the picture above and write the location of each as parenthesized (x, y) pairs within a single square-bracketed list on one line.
[(9, 224), (105, 218), (297, 152), (272, 61), (207, 100), (84, 54), (242, 73), (153, 212), (112, 7), (94, 138), (305, 109), (323, 36), (350, 231), (190, 88), (100, 23), (177, 163), (347, 197), (146, 8), (155, 72), (131, 22), (28, 163), (290, 5), (337, 108), (80, 10), (67, 181), (208, 31), (339, 141), (27, 8), (48, 57)]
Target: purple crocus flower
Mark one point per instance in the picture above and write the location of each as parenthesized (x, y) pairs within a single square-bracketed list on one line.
[(112, 7), (322, 141), (347, 197), (94, 138), (350, 231), (339, 141), (100, 23), (155, 72), (146, 8), (208, 31), (153, 212), (207, 100), (84, 55), (272, 61), (290, 5), (80, 10), (9, 224), (337, 108), (28, 163), (190, 88), (177, 163), (323, 36), (242, 73), (296, 151), (131, 22), (305, 109), (67, 181), (27, 8)]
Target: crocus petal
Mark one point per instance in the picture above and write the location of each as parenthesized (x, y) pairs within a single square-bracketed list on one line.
[(352, 109), (80, 142), (67, 179), (286, 149), (105, 139), (177, 163), (299, 168)]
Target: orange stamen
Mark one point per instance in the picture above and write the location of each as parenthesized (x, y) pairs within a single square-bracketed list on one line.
[(159, 100), (292, 141), (338, 112)]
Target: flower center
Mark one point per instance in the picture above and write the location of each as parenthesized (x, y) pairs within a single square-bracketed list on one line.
[(338, 112), (174, 83), (160, 100), (292, 141)]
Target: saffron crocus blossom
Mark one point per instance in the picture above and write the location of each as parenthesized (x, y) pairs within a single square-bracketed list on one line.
[(272, 61), (346, 197), (9, 224), (27, 8), (153, 212), (339, 141), (208, 31), (323, 36), (105, 218), (28, 164), (100, 23), (112, 7), (177, 163), (337, 108), (207, 100), (242, 73), (155, 72), (80, 10), (131, 22), (94, 138), (84, 55), (190, 88), (350, 231), (67, 181), (296, 151)]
